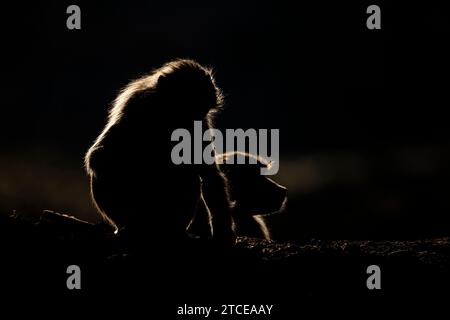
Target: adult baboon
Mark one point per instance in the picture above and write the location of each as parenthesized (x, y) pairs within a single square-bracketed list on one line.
[(134, 183)]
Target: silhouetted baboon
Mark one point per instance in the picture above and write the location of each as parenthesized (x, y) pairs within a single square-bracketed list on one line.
[(134, 183), (254, 195)]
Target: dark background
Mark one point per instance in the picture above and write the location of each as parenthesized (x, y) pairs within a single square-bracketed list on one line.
[(362, 113)]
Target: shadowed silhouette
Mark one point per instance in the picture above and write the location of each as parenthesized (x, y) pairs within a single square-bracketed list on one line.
[(134, 183), (253, 195)]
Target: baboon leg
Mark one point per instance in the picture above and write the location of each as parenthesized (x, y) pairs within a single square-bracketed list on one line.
[(201, 222), (216, 198)]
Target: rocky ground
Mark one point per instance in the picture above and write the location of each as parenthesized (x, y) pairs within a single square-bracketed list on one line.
[(37, 253)]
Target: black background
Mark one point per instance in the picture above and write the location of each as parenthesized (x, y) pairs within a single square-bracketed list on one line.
[(362, 113)]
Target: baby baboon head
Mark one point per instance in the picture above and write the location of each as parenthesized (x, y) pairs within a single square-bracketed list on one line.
[(254, 194)]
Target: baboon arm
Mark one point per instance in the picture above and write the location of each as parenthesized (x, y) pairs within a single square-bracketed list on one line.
[(200, 224), (216, 198)]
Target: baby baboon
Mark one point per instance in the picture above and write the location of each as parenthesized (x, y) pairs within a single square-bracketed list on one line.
[(134, 183), (254, 195)]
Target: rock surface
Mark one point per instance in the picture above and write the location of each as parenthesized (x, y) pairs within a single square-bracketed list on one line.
[(37, 254)]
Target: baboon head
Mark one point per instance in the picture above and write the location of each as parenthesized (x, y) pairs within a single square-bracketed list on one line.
[(253, 193), (189, 86)]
